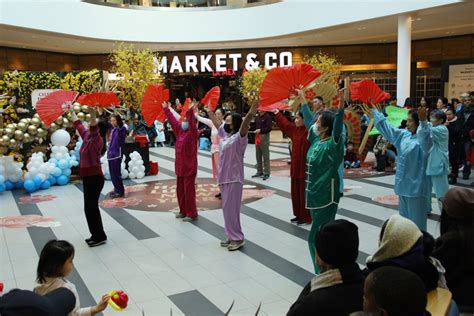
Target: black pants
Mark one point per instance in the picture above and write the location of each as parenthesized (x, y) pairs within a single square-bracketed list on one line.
[(92, 187)]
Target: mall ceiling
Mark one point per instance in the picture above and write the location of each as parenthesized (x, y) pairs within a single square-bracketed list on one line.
[(450, 20)]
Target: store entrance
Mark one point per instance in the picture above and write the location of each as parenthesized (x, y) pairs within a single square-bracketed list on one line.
[(184, 86)]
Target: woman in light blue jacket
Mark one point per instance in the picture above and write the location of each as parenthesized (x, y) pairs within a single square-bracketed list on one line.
[(411, 182), (438, 160)]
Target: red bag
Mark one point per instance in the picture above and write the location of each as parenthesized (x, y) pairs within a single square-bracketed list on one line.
[(142, 140), (257, 139), (153, 168)]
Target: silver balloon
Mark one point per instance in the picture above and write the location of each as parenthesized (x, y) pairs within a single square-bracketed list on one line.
[(13, 143), (36, 116), (5, 140), (59, 121), (11, 126), (43, 125), (22, 126), (36, 121), (53, 127), (8, 131), (41, 132), (24, 120), (81, 116), (77, 108), (88, 117), (85, 109), (18, 135), (27, 138), (32, 130)]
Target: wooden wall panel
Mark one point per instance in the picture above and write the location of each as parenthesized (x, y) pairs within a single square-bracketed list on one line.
[(452, 48), (457, 47)]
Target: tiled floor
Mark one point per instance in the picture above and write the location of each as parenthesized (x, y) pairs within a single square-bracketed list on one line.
[(167, 265)]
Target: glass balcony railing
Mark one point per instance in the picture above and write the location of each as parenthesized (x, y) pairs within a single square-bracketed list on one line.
[(181, 3)]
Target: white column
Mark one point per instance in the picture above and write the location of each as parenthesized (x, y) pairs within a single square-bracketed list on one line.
[(403, 58)]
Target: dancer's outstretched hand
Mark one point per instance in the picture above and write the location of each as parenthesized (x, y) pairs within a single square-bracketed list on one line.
[(165, 105), (423, 113), (340, 95)]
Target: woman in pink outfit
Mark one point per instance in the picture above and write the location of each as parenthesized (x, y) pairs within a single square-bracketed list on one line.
[(215, 139)]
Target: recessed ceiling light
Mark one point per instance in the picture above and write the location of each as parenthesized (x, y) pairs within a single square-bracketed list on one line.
[(415, 19), (361, 28), (450, 32)]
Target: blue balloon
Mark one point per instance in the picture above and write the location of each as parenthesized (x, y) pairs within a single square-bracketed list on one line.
[(57, 172), (37, 180), (2, 179), (18, 184), (63, 164), (8, 185), (54, 161), (62, 180), (52, 180), (2, 187), (45, 185), (67, 172), (29, 186)]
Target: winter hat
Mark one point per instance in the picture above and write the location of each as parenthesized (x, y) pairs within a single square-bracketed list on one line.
[(458, 203), (337, 243), (400, 235)]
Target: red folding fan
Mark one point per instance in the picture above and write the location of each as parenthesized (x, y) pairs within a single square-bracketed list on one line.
[(152, 103), (281, 83), (368, 92), (99, 99), (52, 106), (185, 108), (212, 98), (275, 106)]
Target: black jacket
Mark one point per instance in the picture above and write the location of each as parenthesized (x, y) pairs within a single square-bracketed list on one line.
[(467, 125), (458, 260), (340, 299)]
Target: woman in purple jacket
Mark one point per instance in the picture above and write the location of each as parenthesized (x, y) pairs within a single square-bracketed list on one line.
[(114, 154)]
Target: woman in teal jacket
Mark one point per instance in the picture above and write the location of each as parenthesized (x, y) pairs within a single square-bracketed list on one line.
[(324, 156), (411, 181), (438, 160)]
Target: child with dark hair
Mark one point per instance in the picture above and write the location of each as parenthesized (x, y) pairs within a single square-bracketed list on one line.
[(428, 247), (298, 134), (411, 182), (325, 155), (393, 291), (55, 264), (338, 290), (350, 158), (442, 104), (437, 135), (455, 246)]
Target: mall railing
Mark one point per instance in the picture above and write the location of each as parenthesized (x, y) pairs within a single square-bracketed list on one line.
[(139, 4)]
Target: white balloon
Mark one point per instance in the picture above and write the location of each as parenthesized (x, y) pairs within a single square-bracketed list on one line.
[(60, 138), (54, 149), (2, 169), (33, 171), (140, 175)]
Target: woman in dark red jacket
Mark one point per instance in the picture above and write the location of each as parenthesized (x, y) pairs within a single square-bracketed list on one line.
[(91, 173), (298, 134)]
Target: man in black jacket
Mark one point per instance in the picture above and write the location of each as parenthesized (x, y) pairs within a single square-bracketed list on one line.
[(466, 119), (338, 290)]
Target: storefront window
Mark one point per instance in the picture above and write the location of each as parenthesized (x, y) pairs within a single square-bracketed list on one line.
[(181, 3)]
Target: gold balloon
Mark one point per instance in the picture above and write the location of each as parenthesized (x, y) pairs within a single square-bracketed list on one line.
[(53, 127), (8, 131), (41, 132), (11, 126), (18, 134), (22, 126), (32, 130), (85, 109), (13, 143), (81, 116), (36, 121), (65, 121), (43, 125), (36, 116), (77, 108), (88, 117), (27, 138), (5, 140), (24, 120), (28, 120)]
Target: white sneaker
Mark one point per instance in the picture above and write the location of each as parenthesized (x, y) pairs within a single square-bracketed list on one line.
[(225, 243), (179, 215), (236, 245)]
